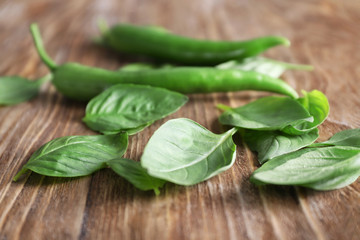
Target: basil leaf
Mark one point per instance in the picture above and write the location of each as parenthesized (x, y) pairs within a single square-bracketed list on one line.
[(349, 137), (130, 131), (135, 174), (318, 106), (335, 182), (75, 156), (268, 113), (183, 152), (127, 107), (14, 89), (319, 168), (270, 144), (263, 65)]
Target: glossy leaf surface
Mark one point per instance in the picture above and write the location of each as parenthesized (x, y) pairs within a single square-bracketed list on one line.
[(318, 106), (14, 89), (349, 137), (135, 174), (75, 156), (263, 65), (268, 113), (270, 144), (184, 152), (127, 107), (319, 168), (130, 131)]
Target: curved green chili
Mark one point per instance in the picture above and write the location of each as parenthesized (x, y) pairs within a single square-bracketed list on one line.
[(82, 82), (161, 44)]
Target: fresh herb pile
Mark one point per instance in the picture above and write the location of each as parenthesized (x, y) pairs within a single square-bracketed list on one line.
[(281, 129)]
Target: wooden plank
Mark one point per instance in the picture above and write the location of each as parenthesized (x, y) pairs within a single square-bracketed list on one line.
[(104, 206)]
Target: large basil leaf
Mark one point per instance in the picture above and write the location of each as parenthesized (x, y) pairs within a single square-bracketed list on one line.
[(75, 156), (349, 137), (319, 168), (270, 144), (127, 107), (263, 65), (336, 182), (136, 174), (14, 89), (184, 152), (318, 106), (268, 113)]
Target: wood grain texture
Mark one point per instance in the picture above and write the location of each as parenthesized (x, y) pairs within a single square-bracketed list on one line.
[(323, 33)]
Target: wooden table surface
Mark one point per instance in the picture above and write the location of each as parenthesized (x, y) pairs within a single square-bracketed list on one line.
[(325, 34)]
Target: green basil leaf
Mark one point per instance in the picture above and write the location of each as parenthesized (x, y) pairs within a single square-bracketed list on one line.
[(349, 137), (75, 156), (14, 89), (127, 107), (268, 113), (183, 152), (335, 182), (130, 131), (318, 106), (263, 65), (270, 144), (136, 174), (320, 168)]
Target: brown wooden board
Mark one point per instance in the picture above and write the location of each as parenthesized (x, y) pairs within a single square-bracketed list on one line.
[(325, 34)]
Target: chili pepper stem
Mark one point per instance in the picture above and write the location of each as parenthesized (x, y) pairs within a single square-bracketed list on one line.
[(35, 33)]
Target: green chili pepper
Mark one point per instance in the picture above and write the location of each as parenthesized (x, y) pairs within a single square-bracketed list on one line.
[(82, 82), (161, 44)]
